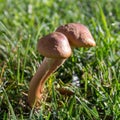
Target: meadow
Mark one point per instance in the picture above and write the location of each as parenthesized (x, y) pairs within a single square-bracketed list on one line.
[(23, 22)]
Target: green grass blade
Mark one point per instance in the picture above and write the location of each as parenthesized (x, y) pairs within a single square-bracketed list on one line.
[(9, 105), (25, 58), (104, 22)]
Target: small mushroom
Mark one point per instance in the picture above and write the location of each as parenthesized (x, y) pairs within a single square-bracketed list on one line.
[(77, 34), (56, 49)]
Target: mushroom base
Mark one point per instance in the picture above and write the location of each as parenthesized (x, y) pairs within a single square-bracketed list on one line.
[(48, 66)]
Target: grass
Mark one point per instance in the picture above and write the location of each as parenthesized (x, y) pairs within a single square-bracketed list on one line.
[(22, 22)]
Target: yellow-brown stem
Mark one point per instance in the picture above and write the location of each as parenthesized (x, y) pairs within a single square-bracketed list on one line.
[(48, 66)]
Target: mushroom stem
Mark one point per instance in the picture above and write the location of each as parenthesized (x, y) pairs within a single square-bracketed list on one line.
[(48, 66)]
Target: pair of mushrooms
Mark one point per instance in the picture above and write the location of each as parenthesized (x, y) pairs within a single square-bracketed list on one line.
[(57, 47)]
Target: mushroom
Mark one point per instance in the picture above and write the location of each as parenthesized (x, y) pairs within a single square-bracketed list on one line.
[(77, 34), (56, 49)]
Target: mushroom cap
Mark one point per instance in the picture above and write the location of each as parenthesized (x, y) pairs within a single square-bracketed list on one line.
[(77, 34), (54, 45)]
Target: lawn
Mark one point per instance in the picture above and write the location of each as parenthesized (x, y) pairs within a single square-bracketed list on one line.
[(97, 69)]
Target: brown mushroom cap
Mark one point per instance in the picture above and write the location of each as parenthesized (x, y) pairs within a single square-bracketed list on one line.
[(54, 45), (77, 34)]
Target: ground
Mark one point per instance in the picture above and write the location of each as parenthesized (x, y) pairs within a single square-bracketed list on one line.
[(23, 22)]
